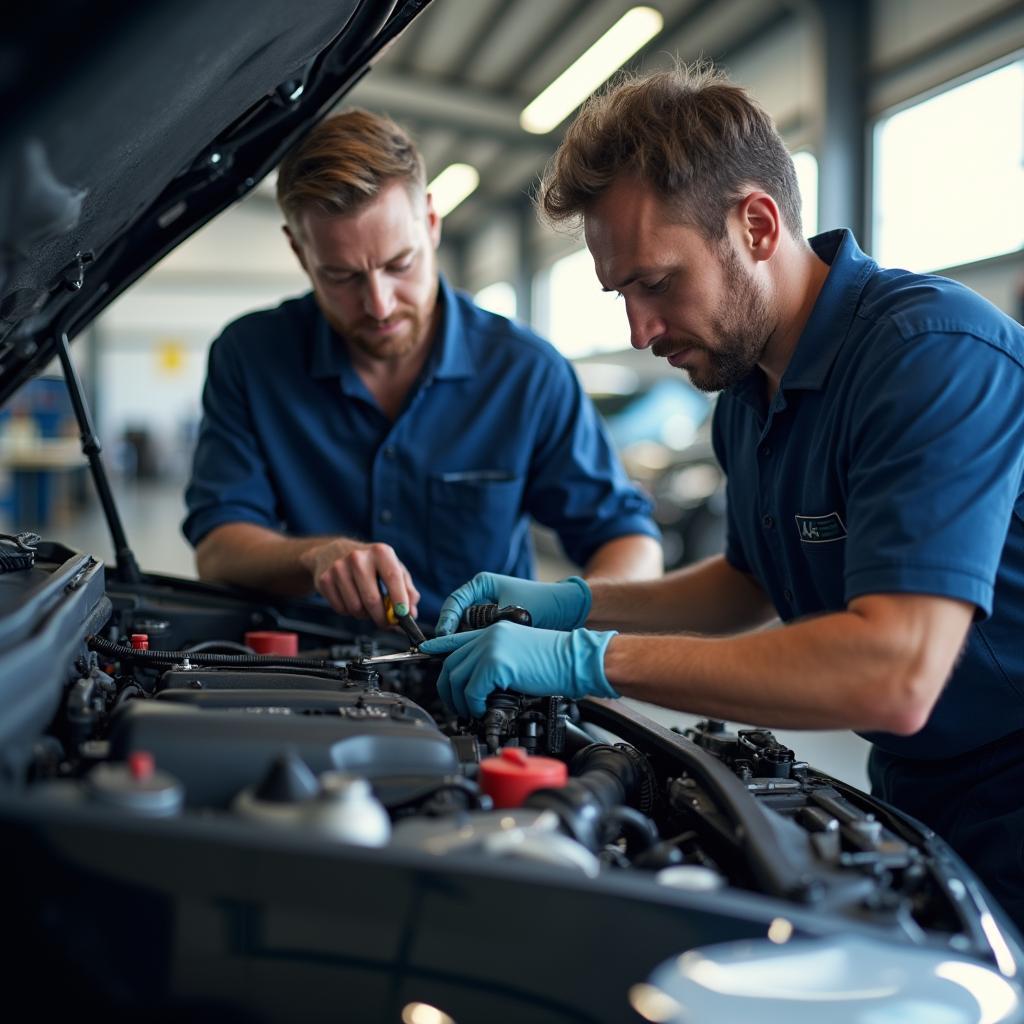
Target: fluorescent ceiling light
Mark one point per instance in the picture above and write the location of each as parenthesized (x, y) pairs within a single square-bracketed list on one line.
[(451, 186), (587, 72)]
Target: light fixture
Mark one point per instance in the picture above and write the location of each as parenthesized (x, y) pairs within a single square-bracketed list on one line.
[(780, 930), (588, 71), (451, 186), (652, 1004), (424, 1013)]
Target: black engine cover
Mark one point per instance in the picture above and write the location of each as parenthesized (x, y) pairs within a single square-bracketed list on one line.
[(218, 742)]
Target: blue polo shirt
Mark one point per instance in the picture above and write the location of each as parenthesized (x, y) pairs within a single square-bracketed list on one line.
[(496, 430), (891, 461)]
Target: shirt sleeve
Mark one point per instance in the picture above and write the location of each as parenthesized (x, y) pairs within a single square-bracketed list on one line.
[(577, 485), (229, 483), (935, 469)]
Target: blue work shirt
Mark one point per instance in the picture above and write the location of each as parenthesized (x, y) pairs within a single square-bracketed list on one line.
[(891, 461), (496, 430)]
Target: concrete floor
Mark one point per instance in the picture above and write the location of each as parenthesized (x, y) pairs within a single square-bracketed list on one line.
[(152, 516)]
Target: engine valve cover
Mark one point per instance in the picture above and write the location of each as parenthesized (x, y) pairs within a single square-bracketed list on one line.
[(217, 742)]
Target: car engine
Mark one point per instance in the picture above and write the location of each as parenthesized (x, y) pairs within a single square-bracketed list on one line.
[(320, 812)]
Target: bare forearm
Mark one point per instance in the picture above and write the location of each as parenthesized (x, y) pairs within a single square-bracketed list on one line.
[(632, 557), (347, 573), (850, 669), (252, 556), (710, 597)]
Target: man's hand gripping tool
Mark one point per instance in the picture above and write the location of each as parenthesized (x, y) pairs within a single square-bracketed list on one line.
[(476, 616)]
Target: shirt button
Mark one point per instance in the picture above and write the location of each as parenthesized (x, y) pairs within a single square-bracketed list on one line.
[(389, 451), (766, 450), (767, 522), (385, 515), (788, 595)]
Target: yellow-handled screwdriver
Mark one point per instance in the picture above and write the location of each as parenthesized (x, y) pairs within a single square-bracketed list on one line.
[(398, 615)]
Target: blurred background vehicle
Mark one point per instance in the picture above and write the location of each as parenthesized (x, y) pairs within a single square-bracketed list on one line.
[(661, 427)]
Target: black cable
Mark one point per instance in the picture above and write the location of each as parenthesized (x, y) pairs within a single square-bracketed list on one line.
[(123, 651), (18, 551)]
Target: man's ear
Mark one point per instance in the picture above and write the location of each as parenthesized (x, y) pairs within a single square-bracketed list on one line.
[(295, 247), (433, 221), (760, 225)]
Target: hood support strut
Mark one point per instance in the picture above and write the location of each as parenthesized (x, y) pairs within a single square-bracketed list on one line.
[(126, 569)]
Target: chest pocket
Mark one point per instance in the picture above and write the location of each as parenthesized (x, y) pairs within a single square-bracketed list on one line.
[(472, 517), (822, 541)]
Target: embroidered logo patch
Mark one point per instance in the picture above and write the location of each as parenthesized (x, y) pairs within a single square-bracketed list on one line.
[(820, 529)]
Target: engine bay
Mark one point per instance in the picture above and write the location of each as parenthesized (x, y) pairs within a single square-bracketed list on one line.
[(157, 722)]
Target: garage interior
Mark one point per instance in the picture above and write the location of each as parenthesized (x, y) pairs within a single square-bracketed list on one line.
[(890, 108)]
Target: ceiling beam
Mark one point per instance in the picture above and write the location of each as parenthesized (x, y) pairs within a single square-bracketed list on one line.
[(435, 104)]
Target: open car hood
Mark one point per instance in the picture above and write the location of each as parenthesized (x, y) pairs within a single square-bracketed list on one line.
[(103, 173)]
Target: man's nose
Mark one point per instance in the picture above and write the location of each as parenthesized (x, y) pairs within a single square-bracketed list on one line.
[(379, 296), (644, 326)]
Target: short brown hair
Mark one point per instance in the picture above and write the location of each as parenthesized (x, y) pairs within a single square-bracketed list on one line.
[(344, 163), (690, 133)]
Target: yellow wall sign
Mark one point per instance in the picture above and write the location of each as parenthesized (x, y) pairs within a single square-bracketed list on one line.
[(170, 356)]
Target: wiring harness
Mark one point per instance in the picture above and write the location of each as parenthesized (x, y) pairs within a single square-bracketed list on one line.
[(18, 551)]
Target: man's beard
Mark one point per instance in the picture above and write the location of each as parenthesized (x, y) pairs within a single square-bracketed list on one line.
[(390, 346), (740, 329)]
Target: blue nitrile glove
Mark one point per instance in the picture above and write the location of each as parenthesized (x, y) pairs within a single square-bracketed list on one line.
[(563, 605), (507, 656)]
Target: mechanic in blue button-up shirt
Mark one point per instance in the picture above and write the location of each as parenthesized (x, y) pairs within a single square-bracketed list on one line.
[(385, 428), (871, 424)]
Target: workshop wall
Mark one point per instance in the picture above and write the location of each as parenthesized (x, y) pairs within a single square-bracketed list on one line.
[(918, 45), (156, 336)]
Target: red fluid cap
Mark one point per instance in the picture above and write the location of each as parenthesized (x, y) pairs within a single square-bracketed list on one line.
[(273, 641), (140, 641), (512, 776), (140, 764)]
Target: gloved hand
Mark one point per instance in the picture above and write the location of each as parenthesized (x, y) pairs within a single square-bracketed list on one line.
[(563, 605), (507, 656)]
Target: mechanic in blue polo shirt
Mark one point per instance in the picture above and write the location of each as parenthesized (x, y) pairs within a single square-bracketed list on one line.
[(384, 427), (871, 423)]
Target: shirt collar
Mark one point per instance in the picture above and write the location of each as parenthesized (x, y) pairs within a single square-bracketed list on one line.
[(449, 359), (830, 320)]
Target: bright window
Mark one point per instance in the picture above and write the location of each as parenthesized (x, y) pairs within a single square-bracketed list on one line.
[(582, 319), (499, 298), (949, 175), (806, 165)]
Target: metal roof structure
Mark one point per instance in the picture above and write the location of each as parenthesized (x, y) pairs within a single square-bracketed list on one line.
[(462, 73)]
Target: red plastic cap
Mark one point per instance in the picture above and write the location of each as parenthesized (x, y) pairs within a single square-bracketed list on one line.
[(273, 641), (140, 641), (141, 766), (513, 775)]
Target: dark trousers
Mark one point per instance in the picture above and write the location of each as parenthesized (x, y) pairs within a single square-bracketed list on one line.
[(975, 802)]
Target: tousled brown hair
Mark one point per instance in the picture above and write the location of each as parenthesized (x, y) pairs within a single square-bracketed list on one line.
[(699, 140), (344, 163)]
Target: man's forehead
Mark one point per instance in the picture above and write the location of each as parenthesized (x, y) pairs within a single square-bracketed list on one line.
[(631, 235), (383, 208), (622, 254), (383, 226)]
